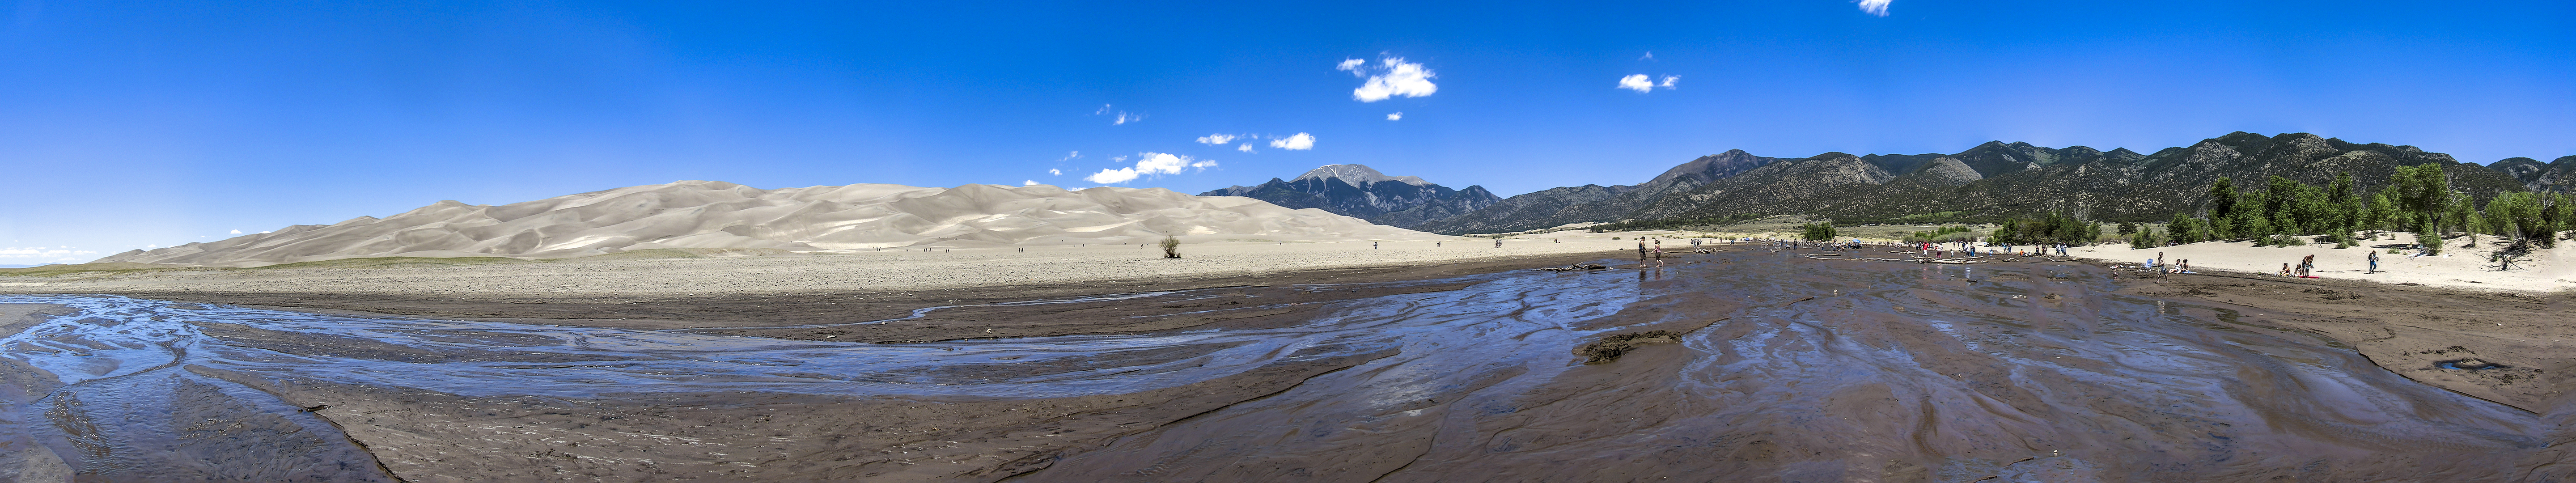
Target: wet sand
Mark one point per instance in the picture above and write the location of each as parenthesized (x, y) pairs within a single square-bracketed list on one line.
[(1783, 368)]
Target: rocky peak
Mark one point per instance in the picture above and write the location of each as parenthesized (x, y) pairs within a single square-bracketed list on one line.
[(1356, 175), (1715, 166)]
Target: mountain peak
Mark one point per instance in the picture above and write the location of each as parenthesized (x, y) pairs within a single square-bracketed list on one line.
[(1357, 174)]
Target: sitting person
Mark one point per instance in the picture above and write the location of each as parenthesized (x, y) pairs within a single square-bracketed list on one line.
[(2285, 270)]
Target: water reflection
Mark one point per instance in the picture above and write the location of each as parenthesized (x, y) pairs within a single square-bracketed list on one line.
[(1822, 370)]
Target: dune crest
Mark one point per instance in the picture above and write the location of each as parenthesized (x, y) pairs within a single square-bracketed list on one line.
[(715, 214)]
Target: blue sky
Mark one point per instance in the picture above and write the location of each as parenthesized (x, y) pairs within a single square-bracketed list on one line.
[(133, 124)]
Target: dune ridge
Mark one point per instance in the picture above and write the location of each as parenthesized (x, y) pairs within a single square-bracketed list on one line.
[(716, 214)]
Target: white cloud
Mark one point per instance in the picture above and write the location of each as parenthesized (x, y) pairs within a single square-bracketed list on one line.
[(1029, 183), (1160, 163), (1214, 139), (1299, 142), (1069, 156), (1395, 78), (1669, 81), (1147, 163), (1057, 172), (1352, 65), (1112, 176), (1650, 55), (1245, 147), (1123, 117), (236, 232), (1395, 116), (1874, 7), (1636, 82)]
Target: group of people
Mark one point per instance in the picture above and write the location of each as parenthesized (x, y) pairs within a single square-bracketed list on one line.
[(2308, 264), (1643, 251), (2178, 266)]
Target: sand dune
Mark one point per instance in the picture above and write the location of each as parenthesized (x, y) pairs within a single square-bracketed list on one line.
[(714, 214)]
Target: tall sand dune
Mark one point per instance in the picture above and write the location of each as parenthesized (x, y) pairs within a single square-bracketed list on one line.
[(715, 214)]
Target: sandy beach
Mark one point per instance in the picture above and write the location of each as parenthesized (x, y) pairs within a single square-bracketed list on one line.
[(2549, 270)]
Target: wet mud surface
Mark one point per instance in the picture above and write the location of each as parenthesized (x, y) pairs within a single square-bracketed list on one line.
[(1736, 366)]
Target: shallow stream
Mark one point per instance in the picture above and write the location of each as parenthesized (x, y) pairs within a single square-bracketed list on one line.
[(1811, 371)]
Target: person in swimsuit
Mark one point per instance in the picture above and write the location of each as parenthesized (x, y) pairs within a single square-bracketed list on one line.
[(1659, 253), (1641, 253)]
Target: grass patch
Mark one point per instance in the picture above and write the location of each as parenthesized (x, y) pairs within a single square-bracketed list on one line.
[(91, 268)]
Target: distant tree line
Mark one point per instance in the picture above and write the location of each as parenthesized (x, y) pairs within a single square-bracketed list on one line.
[(2418, 199), (1944, 234), (2051, 229), (1818, 231), (1672, 224)]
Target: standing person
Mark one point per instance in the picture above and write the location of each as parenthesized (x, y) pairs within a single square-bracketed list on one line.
[(1659, 253), (2307, 265), (1641, 253), (1372, 245), (2374, 261), (2160, 258)]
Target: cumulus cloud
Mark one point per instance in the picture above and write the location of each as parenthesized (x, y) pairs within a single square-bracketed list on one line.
[(1352, 65), (1245, 147), (1636, 82), (1299, 142), (1392, 77), (1874, 7), (1057, 172), (1112, 176), (1160, 163), (1215, 139), (1029, 183), (1395, 116), (1643, 84), (1148, 163), (236, 232)]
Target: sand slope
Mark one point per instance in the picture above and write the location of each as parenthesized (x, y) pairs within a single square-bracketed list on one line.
[(715, 214)]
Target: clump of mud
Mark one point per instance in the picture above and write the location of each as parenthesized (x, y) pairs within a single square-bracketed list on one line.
[(1610, 347), (2469, 364)]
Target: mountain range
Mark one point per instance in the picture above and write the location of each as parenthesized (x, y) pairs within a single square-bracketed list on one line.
[(1361, 192), (1989, 182)]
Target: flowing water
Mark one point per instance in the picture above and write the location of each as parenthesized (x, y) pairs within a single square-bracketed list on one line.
[(1806, 371)]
